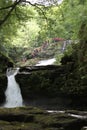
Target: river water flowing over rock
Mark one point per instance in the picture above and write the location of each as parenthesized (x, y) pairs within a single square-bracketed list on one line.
[(13, 92), (46, 62)]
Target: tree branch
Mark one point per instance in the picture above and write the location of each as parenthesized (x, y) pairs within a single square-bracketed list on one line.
[(3, 8), (13, 6), (37, 6), (18, 17), (10, 11)]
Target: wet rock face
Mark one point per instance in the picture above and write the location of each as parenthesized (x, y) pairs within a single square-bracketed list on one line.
[(32, 118), (50, 81), (3, 85), (41, 80)]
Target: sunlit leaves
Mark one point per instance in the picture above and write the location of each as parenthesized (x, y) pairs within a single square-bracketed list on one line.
[(27, 34)]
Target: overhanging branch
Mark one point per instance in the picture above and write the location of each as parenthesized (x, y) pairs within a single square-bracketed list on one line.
[(3, 8), (11, 7), (37, 6)]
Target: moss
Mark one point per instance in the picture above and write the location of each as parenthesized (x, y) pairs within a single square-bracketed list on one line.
[(55, 120), (19, 126), (21, 110), (4, 123), (61, 128)]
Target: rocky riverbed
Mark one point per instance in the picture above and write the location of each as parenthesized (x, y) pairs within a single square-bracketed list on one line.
[(32, 118)]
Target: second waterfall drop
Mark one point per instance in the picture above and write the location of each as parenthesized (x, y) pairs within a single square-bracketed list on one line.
[(13, 92)]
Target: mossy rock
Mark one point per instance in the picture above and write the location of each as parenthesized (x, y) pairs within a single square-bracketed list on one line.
[(19, 126), (32, 118), (84, 128)]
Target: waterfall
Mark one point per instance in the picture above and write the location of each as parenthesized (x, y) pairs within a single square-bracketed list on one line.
[(64, 46), (46, 62), (13, 92)]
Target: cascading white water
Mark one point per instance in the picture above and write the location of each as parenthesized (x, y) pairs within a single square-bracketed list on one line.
[(13, 92), (46, 62)]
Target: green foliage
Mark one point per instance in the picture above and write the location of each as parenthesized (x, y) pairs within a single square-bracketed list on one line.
[(27, 34), (58, 58)]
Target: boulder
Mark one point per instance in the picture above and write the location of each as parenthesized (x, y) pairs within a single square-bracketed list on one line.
[(84, 128)]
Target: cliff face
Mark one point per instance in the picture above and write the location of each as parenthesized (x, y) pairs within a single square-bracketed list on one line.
[(50, 82), (41, 80)]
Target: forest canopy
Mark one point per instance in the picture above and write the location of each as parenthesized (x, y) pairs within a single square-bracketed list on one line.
[(26, 23)]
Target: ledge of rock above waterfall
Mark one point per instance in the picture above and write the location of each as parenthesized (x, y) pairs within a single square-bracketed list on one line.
[(41, 65), (61, 69), (29, 69), (37, 68)]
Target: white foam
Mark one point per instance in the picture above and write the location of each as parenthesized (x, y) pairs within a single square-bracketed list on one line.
[(13, 92), (46, 62)]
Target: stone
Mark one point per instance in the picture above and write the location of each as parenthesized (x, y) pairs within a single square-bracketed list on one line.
[(84, 128)]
